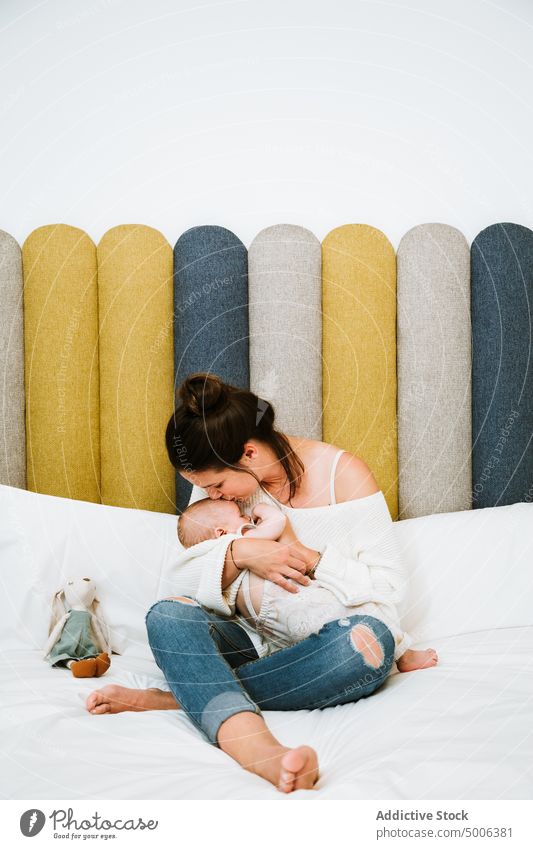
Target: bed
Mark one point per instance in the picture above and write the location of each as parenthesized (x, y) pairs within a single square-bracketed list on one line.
[(461, 730)]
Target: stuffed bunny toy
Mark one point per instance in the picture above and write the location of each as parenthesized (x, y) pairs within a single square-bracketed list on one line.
[(78, 638)]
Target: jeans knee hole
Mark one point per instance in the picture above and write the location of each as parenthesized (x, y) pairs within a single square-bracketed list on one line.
[(365, 642)]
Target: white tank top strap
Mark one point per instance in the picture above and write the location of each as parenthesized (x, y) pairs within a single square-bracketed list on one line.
[(245, 584), (332, 476)]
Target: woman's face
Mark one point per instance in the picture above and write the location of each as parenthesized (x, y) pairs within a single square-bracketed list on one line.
[(225, 483)]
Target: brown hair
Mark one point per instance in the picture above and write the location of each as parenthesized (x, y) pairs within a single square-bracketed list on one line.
[(212, 422)]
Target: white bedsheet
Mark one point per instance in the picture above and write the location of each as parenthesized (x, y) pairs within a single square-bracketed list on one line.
[(461, 730)]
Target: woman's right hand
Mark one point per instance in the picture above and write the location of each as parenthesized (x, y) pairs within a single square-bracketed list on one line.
[(271, 560)]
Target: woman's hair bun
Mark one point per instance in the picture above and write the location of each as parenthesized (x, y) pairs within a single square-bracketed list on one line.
[(202, 392)]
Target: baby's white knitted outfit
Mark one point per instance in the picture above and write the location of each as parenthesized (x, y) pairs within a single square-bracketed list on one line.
[(342, 587)]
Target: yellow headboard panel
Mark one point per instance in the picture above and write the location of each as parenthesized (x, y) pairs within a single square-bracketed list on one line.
[(136, 367), (359, 350), (61, 363)]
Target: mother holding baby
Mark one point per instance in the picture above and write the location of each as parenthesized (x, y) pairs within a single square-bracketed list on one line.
[(219, 669)]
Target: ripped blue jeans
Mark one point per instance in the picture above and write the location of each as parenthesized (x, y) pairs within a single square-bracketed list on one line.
[(214, 672)]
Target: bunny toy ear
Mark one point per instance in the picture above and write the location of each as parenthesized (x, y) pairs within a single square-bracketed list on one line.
[(101, 628), (58, 609)]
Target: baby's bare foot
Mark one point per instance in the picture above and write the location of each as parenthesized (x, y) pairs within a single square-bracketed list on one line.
[(298, 770), (417, 660), (114, 699)]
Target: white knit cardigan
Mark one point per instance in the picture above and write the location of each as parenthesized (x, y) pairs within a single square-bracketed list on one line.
[(360, 564)]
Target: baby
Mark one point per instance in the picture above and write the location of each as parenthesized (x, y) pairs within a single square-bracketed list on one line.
[(260, 605)]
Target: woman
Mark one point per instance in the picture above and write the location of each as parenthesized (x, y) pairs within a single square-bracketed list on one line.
[(223, 440)]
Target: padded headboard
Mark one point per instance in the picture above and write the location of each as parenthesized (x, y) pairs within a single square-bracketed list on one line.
[(419, 361)]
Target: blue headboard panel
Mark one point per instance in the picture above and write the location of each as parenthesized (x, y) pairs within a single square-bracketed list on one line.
[(210, 312), (502, 367)]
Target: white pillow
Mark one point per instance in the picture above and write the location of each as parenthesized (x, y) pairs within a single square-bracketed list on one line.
[(44, 539), (469, 571)]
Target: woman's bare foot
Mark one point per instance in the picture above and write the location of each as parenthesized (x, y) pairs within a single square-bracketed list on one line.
[(114, 699), (411, 660), (298, 769), (246, 738)]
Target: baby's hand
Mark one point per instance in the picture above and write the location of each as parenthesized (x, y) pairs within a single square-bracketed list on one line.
[(269, 522), (263, 511)]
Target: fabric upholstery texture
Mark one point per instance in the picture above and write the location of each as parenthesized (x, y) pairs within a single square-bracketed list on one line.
[(285, 291), (434, 363), (502, 369), (12, 427), (136, 367), (61, 363), (210, 312), (94, 347), (359, 350)]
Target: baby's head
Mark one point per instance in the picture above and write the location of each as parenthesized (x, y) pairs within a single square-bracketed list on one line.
[(207, 519)]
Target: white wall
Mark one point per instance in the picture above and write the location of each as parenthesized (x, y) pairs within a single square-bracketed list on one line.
[(247, 113)]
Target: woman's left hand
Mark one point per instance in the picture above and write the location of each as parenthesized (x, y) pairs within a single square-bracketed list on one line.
[(308, 555)]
